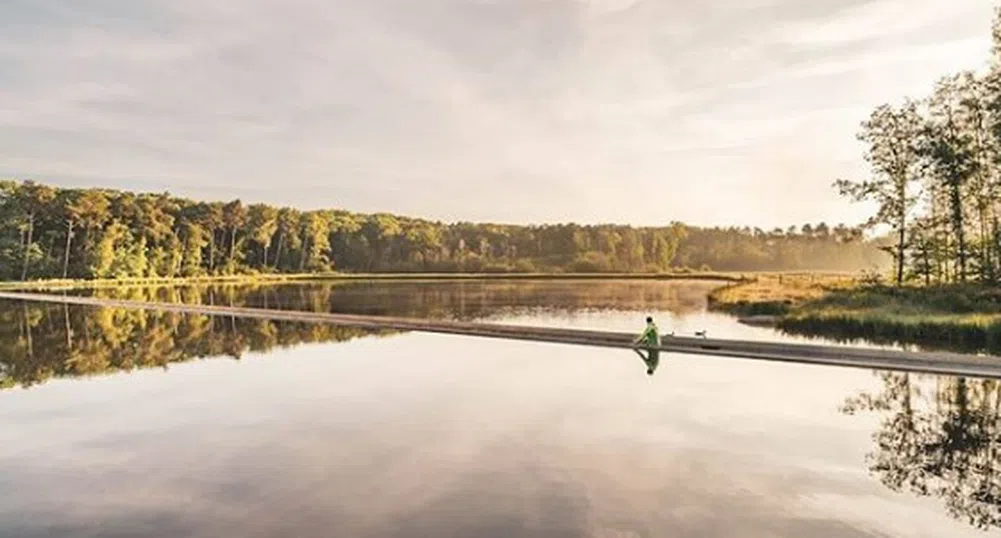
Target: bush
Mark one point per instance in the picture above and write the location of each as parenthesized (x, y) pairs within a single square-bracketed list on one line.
[(524, 266), (870, 279), (496, 268), (591, 262)]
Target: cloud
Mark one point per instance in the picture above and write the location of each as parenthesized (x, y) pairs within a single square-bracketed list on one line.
[(518, 110)]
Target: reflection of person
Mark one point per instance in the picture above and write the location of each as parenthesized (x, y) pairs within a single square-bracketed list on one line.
[(652, 359)]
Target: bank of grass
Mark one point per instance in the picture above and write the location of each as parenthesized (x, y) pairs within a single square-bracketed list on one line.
[(775, 294), (71, 284), (963, 318), (958, 317)]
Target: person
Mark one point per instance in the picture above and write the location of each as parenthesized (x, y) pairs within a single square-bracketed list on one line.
[(650, 337), (651, 340)]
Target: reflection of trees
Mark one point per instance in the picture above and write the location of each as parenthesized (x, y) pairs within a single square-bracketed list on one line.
[(39, 341), (464, 300), (940, 437), (930, 335)]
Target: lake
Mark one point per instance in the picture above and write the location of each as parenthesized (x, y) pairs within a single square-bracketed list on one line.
[(128, 424)]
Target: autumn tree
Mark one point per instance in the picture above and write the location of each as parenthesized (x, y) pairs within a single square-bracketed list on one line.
[(263, 223), (32, 199), (234, 216), (87, 209)]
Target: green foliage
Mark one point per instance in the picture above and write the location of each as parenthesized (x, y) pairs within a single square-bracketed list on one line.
[(69, 233), (936, 177), (892, 142), (961, 317), (104, 255)]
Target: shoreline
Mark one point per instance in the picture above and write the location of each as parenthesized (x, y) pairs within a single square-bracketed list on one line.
[(826, 305), (918, 362), (60, 284), (964, 318)]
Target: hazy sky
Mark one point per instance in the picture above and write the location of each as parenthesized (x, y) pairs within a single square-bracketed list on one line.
[(632, 111)]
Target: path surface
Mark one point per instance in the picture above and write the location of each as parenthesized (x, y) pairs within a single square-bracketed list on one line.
[(928, 362)]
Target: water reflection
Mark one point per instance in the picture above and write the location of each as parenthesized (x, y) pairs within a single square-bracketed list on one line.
[(939, 437), (929, 336), (588, 448), (462, 300), (42, 341), (39, 341), (651, 359)]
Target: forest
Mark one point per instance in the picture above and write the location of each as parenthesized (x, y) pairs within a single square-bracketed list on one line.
[(936, 177), (48, 232)]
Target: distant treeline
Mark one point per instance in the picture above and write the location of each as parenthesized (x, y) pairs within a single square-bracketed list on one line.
[(936, 177), (48, 232)]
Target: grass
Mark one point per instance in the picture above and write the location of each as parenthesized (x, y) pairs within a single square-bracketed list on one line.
[(964, 318), (68, 284), (775, 294)]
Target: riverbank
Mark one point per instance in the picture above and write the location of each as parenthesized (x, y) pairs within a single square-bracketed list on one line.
[(775, 294), (963, 318), (56, 285)]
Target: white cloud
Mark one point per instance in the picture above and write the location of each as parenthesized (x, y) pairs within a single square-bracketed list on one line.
[(518, 110)]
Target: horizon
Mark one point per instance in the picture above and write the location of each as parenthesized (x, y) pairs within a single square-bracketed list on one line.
[(474, 111)]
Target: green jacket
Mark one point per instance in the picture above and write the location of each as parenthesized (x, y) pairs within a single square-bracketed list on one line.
[(650, 337)]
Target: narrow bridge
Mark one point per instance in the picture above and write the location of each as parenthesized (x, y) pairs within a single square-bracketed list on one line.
[(922, 362)]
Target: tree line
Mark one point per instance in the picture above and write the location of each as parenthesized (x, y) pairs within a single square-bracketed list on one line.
[(49, 232), (936, 176)]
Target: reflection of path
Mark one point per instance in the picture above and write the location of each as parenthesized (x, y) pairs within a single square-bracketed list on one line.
[(652, 359)]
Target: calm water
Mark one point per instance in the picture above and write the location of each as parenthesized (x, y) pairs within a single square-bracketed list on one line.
[(111, 428)]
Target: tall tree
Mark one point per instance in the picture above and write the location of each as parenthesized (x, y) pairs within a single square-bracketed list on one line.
[(263, 222), (891, 136), (209, 217), (234, 216), (32, 199), (950, 157), (288, 225), (195, 240), (87, 208)]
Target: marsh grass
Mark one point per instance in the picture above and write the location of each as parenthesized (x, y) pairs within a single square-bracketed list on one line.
[(965, 318), (775, 294)]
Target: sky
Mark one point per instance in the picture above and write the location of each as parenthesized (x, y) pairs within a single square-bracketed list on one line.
[(710, 112)]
